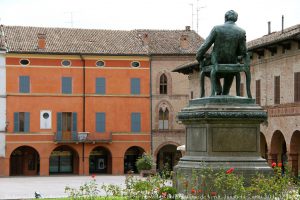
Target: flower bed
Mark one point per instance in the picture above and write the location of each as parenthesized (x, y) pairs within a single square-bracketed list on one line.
[(222, 184)]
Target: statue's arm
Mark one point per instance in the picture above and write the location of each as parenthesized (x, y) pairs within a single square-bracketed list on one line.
[(206, 45), (242, 45)]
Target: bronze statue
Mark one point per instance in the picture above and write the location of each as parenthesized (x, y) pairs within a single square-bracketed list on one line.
[(229, 48)]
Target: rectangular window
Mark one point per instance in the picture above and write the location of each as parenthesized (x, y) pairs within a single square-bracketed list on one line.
[(297, 86), (163, 88), (273, 50), (21, 121), (286, 47), (257, 91), (100, 85), (66, 85), (261, 54), (163, 122), (135, 85), (66, 126), (24, 84), (135, 122), (277, 90), (66, 121), (163, 84), (100, 122)]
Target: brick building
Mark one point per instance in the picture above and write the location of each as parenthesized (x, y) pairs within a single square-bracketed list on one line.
[(73, 101), (169, 91), (275, 83), (84, 101)]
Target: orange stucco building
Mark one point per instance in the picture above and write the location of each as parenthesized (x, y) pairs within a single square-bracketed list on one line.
[(76, 100)]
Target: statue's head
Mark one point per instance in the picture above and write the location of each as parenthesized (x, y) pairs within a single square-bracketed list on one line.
[(231, 15)]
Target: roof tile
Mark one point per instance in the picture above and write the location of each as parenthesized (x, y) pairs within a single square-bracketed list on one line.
[(288, 33), (24, 39)]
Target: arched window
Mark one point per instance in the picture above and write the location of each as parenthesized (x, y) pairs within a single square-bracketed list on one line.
[(163, 84), (163, 118)]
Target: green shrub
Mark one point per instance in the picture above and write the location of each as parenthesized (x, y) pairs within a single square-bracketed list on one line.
[(87, 191), (276, 185), (112, 190), (229, 184), (167, 192), (143, 189), (204, 184), (144, 163)]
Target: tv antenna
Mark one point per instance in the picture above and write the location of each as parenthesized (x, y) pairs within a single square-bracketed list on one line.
[(71, 22), (198, 9), (191, 4)]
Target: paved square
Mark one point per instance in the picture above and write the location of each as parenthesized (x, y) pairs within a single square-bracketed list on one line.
[(49, 187)]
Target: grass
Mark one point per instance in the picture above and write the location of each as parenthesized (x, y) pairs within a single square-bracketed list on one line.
[(96, 198)]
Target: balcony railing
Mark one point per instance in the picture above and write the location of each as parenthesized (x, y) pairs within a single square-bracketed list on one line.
[(83, 137)]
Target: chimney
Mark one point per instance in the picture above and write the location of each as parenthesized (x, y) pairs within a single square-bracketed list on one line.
[(282, 23), (184, 43), (41, 40), (187, 28), (145, 39), (269, 27), (2, 39)]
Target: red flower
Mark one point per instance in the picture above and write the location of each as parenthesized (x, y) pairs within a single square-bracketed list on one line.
[(230, 170), (273, 165), (199, 191), (193, 191), (213, 194), (279, 165), (164, 194), (93, 175)]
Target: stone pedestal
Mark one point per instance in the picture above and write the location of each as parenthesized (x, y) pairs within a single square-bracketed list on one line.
[(222, 132)]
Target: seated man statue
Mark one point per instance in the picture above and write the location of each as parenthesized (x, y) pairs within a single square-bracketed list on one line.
[(229, 44)]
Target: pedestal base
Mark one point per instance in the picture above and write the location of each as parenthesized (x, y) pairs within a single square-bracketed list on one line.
[(222, 132), (191, 166)]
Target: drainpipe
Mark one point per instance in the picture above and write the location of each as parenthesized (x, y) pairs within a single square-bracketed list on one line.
[(151, 142), (83, 85), (83, 105)]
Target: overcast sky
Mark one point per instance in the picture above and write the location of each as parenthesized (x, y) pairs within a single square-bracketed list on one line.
[(150, 14)]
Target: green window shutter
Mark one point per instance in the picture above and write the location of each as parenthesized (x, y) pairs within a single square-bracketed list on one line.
[(297, 86), (24, 84), (26, 122), (66, 85), (59, 126), (16, 122), (74, 126), (135, 86), (257, 91), (135, 122), (277, 90), (100, 122), (100, 85)]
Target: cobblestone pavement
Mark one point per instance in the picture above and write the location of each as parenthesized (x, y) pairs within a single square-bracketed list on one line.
[(49, 187)]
